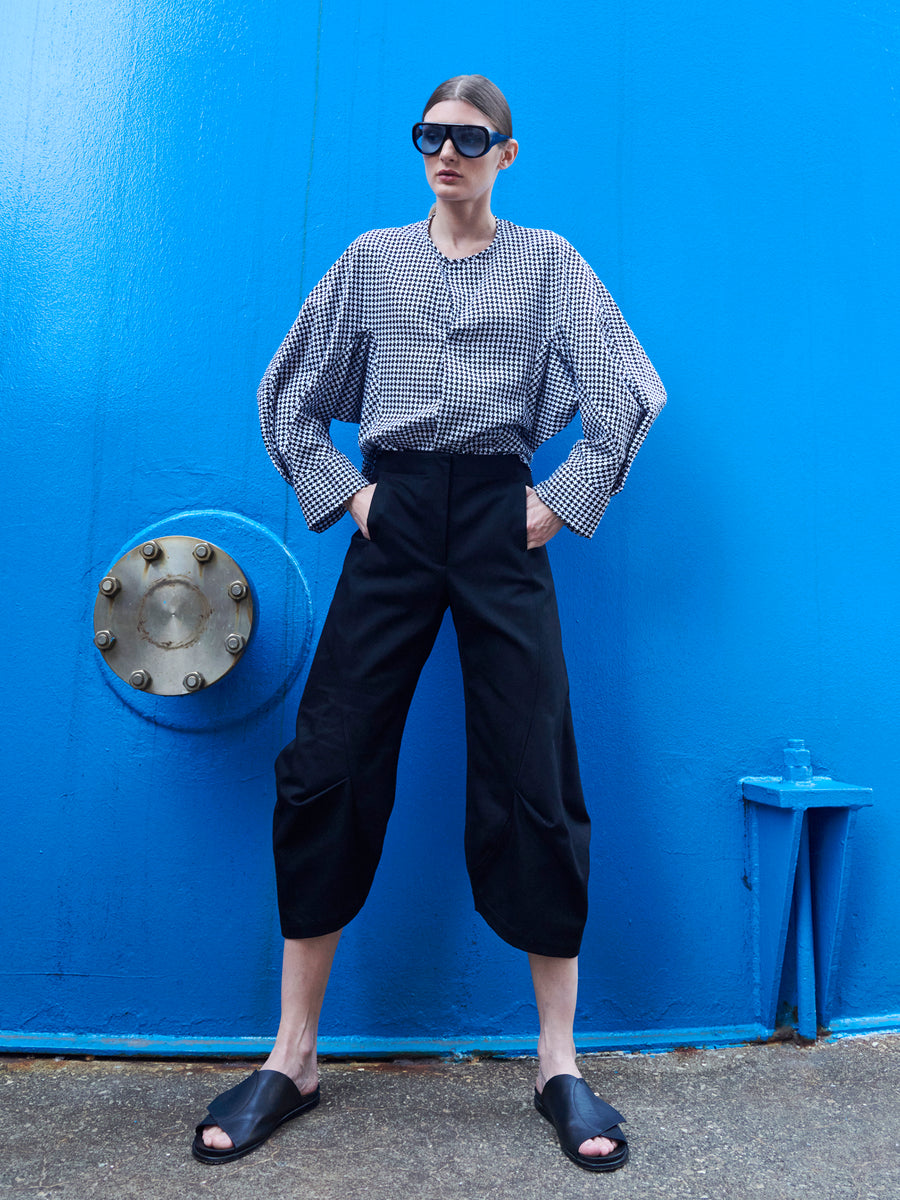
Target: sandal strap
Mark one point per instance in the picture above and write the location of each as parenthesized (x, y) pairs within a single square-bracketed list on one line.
[(577, 1113), (254, 1107)]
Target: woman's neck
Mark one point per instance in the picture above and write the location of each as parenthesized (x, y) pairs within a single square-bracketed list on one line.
[(461, 229)]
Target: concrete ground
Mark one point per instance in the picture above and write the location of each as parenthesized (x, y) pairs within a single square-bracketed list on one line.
[(780, 1121)]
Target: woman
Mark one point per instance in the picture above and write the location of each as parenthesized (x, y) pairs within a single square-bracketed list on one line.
[(458, 344)]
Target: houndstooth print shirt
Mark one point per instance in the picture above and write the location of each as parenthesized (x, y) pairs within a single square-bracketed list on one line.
[(490, 354)]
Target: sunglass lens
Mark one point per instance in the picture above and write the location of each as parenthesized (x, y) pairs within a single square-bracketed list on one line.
[(429, 138), (470, 140)]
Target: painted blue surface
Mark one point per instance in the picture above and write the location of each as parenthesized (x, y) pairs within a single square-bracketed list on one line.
[(801, 834), (176, 176)]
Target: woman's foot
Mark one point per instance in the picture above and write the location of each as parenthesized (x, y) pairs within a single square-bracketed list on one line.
[(565, 1065), (305, 1076)]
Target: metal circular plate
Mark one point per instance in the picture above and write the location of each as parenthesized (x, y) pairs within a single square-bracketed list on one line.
[(173, 615), (282, 627)]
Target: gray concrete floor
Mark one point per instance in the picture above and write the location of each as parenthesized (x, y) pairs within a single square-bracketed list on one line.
[(781, 1121)]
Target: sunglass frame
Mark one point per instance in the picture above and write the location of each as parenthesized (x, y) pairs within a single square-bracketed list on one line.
[(491, 137)]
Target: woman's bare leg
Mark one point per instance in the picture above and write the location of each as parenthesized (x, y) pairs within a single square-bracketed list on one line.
[(556, 992), (304, 976)]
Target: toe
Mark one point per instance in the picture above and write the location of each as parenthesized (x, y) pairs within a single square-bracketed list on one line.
[(597, 1146), (216, 1138)]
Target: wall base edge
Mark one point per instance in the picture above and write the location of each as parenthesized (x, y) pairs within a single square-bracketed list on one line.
[(160, 1046), (857, 1026)]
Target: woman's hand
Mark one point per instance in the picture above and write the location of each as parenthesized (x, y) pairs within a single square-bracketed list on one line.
[(358, 507), (542, 522)]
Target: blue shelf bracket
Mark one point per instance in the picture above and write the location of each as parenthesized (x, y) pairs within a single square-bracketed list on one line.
[(801, 830)]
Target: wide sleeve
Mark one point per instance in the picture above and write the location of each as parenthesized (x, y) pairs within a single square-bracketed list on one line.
[(599, 367), (317, 376)]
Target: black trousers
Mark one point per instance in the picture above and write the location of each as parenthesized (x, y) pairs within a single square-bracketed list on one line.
[(446, 531)]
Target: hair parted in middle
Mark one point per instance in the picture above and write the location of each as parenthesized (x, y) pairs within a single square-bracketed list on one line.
[(478, 91)]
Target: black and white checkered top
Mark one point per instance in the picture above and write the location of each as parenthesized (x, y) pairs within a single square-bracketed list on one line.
[(490, 354)]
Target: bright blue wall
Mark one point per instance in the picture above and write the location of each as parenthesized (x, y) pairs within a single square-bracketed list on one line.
[(176, 176)]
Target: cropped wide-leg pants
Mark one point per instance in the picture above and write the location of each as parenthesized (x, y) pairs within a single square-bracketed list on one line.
[(445, 531)]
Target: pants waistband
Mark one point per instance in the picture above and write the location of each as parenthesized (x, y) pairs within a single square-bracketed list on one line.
[(421, 462)]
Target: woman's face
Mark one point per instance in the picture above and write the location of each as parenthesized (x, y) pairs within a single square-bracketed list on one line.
[(456, 178)]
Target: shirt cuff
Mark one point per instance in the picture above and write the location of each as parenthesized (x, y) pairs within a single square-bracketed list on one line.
[(322, 492), (575, 502)]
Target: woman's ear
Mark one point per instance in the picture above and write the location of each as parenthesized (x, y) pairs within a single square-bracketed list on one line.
[(508, 153)]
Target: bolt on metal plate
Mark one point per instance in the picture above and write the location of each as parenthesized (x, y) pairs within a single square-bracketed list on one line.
[(179, 619)]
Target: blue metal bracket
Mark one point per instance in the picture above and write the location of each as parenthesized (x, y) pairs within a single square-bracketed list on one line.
[(801, 836)]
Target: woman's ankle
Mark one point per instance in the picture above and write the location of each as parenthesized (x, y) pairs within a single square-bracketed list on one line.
[(301, 1065)]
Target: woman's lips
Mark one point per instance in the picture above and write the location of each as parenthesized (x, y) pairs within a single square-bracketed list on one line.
[(448, 175)]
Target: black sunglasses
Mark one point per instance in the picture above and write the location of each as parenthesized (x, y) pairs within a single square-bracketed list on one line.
[(471, 141)]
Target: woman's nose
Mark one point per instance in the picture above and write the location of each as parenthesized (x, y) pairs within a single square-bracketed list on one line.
[(448, 150)]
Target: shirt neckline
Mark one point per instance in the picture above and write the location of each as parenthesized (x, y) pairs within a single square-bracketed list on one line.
[(499, 233)]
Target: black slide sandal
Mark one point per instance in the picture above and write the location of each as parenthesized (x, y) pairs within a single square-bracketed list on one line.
[(577, 1115), (250, 1112)]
